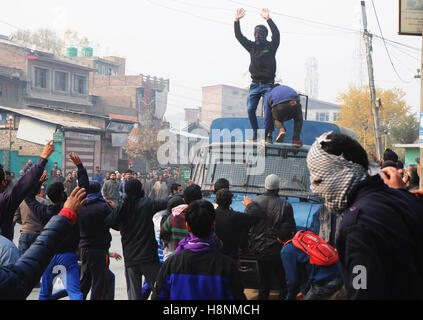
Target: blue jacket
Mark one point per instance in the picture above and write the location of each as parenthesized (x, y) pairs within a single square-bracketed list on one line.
[(282, 94), (18, 280), (207, 275), (295, 262), (380, 242)]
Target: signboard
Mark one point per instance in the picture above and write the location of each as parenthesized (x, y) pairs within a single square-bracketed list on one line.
[(411, 17), (119, 127), (35, 131), (185, 173), (421, 130), (119, 139)]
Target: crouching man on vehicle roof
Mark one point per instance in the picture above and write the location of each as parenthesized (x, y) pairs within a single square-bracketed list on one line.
[(285, 105)]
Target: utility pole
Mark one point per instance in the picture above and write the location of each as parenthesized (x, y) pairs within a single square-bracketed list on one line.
[(368, 41)]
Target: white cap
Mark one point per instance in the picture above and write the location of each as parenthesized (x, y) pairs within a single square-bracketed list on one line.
[(272, 182)]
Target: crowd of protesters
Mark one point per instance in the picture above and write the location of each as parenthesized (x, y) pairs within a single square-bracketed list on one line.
[(186, 247)]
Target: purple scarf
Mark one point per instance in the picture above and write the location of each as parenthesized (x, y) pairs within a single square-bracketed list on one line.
[(196, 244)]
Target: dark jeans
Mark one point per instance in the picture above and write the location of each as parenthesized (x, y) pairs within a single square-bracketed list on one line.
[(284, 112), (94, 273), (110, 291), (134, 275), (25, 241), (324, 292), (258, 90), (270, 270)]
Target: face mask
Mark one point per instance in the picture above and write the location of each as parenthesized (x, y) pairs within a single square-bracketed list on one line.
[(260, 34), (332, 177)]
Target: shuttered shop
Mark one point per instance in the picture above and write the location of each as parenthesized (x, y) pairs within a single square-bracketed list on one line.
[(86, 152)]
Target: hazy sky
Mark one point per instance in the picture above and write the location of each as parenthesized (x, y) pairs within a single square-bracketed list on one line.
[(192, 42)]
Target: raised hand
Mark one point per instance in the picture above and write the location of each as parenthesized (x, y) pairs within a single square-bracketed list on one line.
[(74, 158), (240, 13), (48, 149), (265, 14), (76, 200)]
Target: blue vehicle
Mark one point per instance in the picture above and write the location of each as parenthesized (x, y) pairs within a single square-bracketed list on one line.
[(246, 165)]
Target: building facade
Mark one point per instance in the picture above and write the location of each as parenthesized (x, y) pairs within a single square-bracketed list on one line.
[(222, 101)]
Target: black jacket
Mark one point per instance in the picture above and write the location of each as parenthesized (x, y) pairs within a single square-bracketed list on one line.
[(93, 231), (231, 227), (10, 201), (382, 231), (18, 280), (274, 220), (263, 60), (137, 230)]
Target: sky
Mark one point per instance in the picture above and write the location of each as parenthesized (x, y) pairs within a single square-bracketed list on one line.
[(192, 42)]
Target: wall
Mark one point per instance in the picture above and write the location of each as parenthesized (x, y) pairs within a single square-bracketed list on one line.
[(13, 57), (211, 107)]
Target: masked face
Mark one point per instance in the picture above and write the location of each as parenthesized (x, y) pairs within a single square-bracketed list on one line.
[(332, 177), (260, 34)]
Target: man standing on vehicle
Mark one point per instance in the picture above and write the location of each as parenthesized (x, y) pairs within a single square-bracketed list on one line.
[(262, 68)]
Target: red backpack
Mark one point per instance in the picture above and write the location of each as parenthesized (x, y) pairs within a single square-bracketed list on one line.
[(319, 251)]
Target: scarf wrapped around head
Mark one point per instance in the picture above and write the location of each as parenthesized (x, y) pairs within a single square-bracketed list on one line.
[(260, 34), (196, 244), (94, 192), (334, 176)]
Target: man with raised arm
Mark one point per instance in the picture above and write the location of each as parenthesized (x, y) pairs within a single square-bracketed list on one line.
[(10, 200), (262, 68)]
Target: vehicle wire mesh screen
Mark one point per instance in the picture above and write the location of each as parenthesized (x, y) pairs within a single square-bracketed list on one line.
[(288, 164)]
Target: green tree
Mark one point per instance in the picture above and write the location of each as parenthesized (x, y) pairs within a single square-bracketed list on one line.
[(406, 130)]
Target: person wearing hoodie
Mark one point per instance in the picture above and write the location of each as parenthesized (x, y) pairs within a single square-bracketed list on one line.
[(197, 270), (94, 243), (174, 225), (134, 219), (65, 259)]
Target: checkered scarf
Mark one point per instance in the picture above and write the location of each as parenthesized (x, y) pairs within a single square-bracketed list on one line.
[(335, 175)]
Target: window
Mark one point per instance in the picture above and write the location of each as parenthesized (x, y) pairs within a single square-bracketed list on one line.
[(79, 84), (41, 77), (336, 116), (229, 107), (322, 116), (61, 81)]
